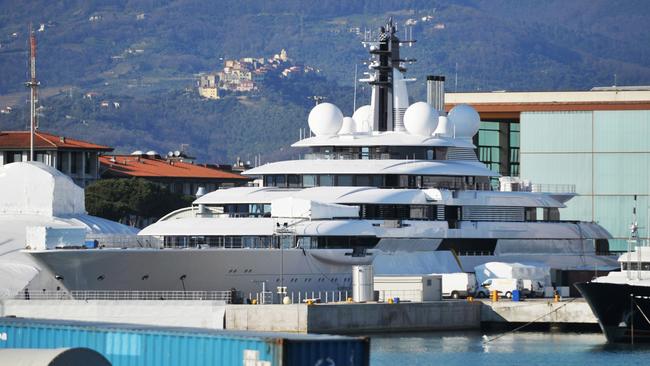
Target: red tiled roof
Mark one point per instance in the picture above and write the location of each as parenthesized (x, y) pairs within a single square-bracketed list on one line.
[(44, 140), (135, 166)]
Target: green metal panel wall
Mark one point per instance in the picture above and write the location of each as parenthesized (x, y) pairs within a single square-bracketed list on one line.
[(556, 132), (621, 173), (606, 154), (558, 169), (621, 131)]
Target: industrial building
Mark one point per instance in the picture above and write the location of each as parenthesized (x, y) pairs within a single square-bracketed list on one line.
[(597, 141)]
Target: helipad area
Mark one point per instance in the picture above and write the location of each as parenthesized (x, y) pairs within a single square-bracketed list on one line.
[(597, 140)]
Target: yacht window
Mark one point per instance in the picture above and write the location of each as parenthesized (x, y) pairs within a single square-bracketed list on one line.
[(269, 181), (309, 180), (363, 180), (636, 266), (552, 214), (365, 152), (326, 180), (403, 180), (280, 181), (345, 180), (530, 214), (377, 180), (293, 180), (430, 155), (422, 212)]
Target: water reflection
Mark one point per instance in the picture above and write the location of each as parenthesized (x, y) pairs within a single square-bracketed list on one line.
[(465, 348)]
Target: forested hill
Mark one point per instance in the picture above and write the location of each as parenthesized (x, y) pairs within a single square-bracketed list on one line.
[(146, 54)]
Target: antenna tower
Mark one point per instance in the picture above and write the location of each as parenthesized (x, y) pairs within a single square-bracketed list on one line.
[(32, 84)]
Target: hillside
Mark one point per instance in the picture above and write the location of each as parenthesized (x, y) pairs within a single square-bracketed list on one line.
[(146, 54)]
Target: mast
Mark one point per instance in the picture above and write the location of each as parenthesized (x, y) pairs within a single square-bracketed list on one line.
[(32, 84), (389, 96)]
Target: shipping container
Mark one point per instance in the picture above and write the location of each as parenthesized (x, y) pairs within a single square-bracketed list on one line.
[(127, 344)]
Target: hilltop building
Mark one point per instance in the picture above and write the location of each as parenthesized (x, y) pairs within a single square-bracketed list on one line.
[(75, 158), (208, 86), (596, 140), (244, 75)]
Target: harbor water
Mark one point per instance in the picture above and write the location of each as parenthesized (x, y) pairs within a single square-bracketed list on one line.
[(530, 348)]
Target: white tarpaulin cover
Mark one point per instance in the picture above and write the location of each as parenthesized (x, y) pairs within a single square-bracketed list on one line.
[(512, 270), (308, 209), (34, 195), (36, 188)]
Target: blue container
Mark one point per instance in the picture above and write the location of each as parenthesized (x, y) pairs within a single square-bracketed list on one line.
[(395, 300), (126, 344), (516, 295)]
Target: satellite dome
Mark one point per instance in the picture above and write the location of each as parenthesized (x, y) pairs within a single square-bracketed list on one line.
[(325, 119), (137, 152), (420, 119), (465, 119), (151, 153), (347, 127), (445, 127), (363, 119)]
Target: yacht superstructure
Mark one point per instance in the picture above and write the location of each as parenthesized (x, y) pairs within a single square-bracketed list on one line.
[(396, 185)]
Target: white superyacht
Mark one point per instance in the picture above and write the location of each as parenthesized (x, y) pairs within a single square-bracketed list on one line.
[(396, 185)]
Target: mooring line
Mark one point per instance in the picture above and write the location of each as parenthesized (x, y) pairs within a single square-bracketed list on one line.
[(488, 340)]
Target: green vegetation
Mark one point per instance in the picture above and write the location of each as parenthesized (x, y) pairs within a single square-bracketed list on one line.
[(145, 55), (132, 201)]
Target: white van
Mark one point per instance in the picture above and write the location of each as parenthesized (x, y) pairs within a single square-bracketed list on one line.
[(533, 288), (458, 285), (504, 286)]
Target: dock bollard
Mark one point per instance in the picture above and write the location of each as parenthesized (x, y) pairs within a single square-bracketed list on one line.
[(494, 295), (470, 299)]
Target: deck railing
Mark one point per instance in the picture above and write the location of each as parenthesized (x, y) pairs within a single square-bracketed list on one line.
[(121, 295)]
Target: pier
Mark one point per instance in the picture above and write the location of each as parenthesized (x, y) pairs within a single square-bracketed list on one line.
[(335, 317)]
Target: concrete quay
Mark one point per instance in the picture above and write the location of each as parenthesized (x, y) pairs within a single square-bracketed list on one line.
[(338, 318), (174, 313), (570, 311), (342, 318)]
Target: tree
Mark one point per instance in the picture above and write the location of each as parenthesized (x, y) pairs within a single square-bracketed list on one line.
[(132, 201)]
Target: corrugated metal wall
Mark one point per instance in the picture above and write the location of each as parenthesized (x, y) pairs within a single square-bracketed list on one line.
[(127, 345), (606, 154)]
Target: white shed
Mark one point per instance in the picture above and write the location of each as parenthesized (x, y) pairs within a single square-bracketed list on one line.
[(409, 288)]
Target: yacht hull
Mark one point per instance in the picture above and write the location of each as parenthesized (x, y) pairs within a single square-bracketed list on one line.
[(197, 270), (622, 310)]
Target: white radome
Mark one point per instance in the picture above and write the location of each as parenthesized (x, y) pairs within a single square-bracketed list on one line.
[(465, 119), (444, 128), (363, 119), (348, 127), (420, 119), (325, 119)]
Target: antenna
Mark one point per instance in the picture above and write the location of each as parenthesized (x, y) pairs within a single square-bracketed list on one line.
[(456, 79), (633, 236), (318, 99), (354, 102), (32, 84)]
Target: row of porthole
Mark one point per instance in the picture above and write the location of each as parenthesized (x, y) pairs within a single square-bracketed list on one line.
[(322, 279), (234, 270), (102, 277)]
